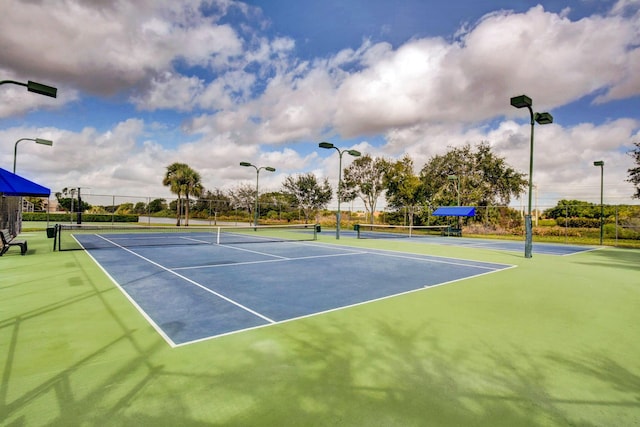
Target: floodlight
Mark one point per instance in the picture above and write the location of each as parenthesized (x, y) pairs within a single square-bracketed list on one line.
[(42, 89), (521, 101), (543, 118)]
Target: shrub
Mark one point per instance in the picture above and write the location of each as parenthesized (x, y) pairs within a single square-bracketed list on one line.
[(88, 217)]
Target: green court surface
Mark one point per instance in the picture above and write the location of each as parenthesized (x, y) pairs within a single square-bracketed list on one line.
[(552, 342)]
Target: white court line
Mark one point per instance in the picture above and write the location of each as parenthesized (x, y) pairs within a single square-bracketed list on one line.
[(193, 282), (252, 251), (266, 261), (467, 264)]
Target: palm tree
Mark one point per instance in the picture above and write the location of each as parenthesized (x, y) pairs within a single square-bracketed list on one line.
[(174, 178), (183, 181), (191, 187)]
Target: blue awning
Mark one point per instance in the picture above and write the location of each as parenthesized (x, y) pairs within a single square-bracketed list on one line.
[(15, 185), (455, 211)]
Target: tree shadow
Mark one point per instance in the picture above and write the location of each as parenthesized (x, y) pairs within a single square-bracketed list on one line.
[(617, 258)]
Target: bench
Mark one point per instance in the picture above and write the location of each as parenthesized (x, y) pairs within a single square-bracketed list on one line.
[(8, 241), (452, 231)]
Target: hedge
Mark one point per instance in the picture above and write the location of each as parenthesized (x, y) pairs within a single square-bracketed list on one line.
[(65, 217)]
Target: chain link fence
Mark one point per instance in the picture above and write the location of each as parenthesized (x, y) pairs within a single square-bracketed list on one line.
[(562, 223)]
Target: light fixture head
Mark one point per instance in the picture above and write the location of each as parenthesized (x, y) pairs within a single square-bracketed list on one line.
[(521, 101), (245, 164), (270, 169), (543, 118), (326, 145), (43, 141), (599, 163), (42, 89), (354, 153)]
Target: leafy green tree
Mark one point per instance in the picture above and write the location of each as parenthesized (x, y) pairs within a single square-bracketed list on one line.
[(364, 178), (307, 193), (157, 205), (70, 204), (580, 209), (484, 178), (634, 173), (275, 203), (243, 197), (404, 188), (140, 208), (125, 209), (212, 202)]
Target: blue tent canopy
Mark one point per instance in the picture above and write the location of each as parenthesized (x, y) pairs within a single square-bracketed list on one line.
[(455, 211), (15, 185)]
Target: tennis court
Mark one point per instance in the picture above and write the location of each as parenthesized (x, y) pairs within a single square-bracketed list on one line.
[(552, 342), (439, 235), (193, 286)]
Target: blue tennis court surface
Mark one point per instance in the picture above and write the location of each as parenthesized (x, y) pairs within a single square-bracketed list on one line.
[(500, 245), (192, 293)]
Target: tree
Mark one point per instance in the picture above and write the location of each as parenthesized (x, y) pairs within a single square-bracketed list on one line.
[(125, 209), (307, 194), (274, 203), (634, 173), (212, 203), (404, 188), (364, 178), (140, 208), (157, 205), (191, 187), (484, 178), (173, 178), (69, 203), (183, 181), (243, 196)]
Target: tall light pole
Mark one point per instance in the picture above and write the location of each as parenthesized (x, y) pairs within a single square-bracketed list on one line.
[(34, 87), (36, 140), (542, 119), (457, 179), (267, 168), (354, 153), (601, 164)]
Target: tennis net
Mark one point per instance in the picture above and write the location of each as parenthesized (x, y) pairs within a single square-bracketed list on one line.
[(74, 237), (384, 231)]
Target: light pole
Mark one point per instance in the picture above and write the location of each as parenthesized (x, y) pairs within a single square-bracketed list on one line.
[(354, 153), (542, 119), (268, 168), (35, 87), (457, 179), (601, 164), (36, 140)]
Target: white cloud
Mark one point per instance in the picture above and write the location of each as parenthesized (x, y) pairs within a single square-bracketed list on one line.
[(253, 100)]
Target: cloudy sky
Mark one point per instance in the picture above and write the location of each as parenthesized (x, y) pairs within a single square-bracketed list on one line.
[(211, 83)]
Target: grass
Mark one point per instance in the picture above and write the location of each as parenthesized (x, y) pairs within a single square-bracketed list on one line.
[(553, 342)]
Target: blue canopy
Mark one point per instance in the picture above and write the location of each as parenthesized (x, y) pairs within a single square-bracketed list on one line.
[(14, 185), (455, 211)]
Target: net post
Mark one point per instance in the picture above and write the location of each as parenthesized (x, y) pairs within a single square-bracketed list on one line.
[(218, 235)]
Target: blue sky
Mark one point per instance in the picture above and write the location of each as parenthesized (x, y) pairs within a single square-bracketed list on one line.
[(212, 83)]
